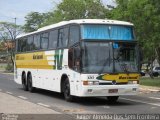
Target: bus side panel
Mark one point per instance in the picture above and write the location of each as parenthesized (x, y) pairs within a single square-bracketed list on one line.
[(75, 82), (18, 75), (73, 76), (47, 69)]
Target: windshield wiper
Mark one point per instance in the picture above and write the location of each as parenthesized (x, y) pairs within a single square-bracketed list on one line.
[(124, 67)]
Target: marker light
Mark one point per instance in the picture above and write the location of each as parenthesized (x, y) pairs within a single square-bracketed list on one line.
[(133, 82), (90, 82)]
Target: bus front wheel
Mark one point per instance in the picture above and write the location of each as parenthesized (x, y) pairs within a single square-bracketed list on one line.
[(30, 85), (66, 91)]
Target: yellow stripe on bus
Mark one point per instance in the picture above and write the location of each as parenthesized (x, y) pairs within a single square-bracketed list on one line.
[(121, 77), (36, 67), (36, 60)]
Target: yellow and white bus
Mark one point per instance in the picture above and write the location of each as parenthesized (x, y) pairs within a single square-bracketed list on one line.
[(84, 58)]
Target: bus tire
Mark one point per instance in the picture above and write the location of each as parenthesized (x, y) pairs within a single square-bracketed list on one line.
[(66, 91), (112, 99), (24, 82), (30, 84)]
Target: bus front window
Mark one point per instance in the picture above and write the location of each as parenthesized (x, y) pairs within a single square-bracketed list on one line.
[(97, 57), (109, 57), (125, 57)]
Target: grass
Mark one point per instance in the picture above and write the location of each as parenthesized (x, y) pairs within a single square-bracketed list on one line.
[(150, 82), (3, 66)]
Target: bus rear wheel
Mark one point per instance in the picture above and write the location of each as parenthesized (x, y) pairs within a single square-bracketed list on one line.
[(30, 85), (112, 99), (24, 82), (66, 91)]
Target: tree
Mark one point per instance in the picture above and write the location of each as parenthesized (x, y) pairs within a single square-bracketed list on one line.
[(9, 31), (145, 14), (156, 4), (77, 9), (67, 10), (34, 21)]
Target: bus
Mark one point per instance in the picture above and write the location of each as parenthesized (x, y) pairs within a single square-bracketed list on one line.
[(80, 58)]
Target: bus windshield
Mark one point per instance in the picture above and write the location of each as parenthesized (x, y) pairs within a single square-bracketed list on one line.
[(125, 57), (96, 57), (109, 57)]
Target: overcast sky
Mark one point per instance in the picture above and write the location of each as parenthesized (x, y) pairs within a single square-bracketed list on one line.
[(9, 9)]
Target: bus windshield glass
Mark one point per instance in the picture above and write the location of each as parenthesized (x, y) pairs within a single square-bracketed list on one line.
[(106, 32), (125, 57), (96, 57), (109, 57)]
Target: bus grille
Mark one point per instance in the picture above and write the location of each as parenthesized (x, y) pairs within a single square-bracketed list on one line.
[(122, 83)]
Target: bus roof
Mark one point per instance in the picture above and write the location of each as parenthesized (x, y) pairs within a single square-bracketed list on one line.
[(78, 21)]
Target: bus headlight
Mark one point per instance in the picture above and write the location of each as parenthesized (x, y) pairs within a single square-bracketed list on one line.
[(90, 82), (133, 82)]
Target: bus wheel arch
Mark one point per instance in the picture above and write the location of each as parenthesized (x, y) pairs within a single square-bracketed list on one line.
[(24, 81), (65, 88)]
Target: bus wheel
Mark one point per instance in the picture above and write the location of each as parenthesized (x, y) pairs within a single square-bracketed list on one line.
[(112, 99), (29, 80), (24, 82), (66, 91)]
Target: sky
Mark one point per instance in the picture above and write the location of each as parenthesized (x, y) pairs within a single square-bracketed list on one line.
[(10, 9)]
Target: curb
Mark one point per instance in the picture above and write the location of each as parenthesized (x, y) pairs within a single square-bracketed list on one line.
[(7, 73)]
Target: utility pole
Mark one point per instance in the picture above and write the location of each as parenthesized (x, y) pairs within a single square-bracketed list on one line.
[(14, 41), (15, 20)]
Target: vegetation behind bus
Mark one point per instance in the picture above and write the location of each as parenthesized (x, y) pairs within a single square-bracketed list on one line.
[(8, 33), (143, 14)]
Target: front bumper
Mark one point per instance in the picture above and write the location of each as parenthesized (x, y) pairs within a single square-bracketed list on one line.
[(98, 90)]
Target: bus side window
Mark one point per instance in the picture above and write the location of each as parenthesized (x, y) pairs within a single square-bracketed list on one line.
[(36, 43), (30, 43), (44, 40), (77, 58), (53, 37), (74, 58), (63, 38), (73, 35), (18, 45), (23, 44), (70, 58)]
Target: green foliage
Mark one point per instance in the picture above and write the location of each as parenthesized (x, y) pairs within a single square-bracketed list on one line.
[(9, 67), (150, 82), (67, 10), (34, 21), (3, 66), (145, 15), (8, 32)]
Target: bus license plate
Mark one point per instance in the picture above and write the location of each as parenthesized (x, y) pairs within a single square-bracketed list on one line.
[(113, 91)]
